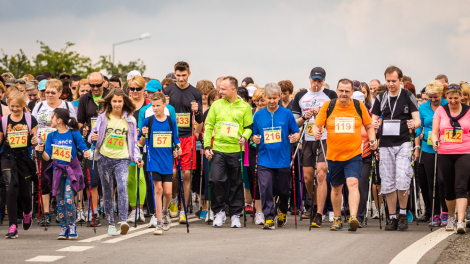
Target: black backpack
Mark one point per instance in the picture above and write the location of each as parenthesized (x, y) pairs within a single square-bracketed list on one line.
[(332, 104), (169, 123)]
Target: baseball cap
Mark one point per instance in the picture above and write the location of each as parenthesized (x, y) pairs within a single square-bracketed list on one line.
[(358, 96), (40, 78), (132, 74), (42, 85), (251, 90), (171, 75), (318, 73), (153, 86), (357, 86)]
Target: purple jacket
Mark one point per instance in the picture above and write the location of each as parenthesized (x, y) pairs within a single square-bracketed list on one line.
[(100, 127), (73, 171)]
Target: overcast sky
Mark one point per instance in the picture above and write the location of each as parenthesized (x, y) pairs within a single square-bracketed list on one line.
[(267, 40)]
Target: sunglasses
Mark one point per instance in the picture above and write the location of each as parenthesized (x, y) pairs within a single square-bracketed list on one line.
[(134, 89), (95, 85), (453, 86), (20, 81), (73, 87)]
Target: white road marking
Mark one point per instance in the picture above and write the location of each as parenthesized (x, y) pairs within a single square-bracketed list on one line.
[(45, 258), (75, 248), (121, 238), (414, 252)]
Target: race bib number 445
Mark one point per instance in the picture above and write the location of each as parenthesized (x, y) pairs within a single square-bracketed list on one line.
[(229, 129), (18, 139), (448, 136), (116, 142), (182, 120), (63, 153)]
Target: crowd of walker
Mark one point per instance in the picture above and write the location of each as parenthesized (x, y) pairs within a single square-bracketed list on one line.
[(83, 150)]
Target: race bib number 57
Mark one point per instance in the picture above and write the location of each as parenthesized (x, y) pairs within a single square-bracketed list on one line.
[(161, 140)]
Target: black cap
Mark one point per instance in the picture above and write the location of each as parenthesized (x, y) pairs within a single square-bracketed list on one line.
[(318, 73), (40, 78)]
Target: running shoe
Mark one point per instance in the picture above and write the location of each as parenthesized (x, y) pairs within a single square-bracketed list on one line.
[(112, 231), (391, 225), (450, 224), (444, 217), (236, 221), (219, 219), (402, 222), (80, 216), (27, 220), (337, 224), (64, 233), (316, 221), (124, 227), (323, 218), (166, 221), (46, 216), (424, 218), (353, 223), (360, 224), (376, 214), (211, 216), (436, 221), (90, 221), (461, 227), (306, 214), (467, 213), (281, 220), (248, 209), (182, 218), (158, 230), (141, 218), (269, 224), (409, 216), (131, 217), (12, 232), (73, 231), (174, 208), (203, 215), (331, 216), (259, 218), (153, 222)]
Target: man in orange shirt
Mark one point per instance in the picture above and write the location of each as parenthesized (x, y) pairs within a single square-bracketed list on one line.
[(344, 118)]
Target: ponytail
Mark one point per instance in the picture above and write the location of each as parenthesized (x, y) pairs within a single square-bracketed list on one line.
[(64, 114)]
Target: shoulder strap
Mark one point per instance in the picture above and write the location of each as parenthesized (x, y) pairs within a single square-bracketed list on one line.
[(150, 123), (73, 139), (331, 107), (357, 105), (67, 105), (27, 116), (4, 124), (171, 129), (39, 107)]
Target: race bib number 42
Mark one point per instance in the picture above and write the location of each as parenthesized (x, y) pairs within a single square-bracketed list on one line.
[(162, 140), (116, 142), (344, 125), (272, 136), (182, 120), (448, 136), (63, 153), (18, 139), (229, 129)]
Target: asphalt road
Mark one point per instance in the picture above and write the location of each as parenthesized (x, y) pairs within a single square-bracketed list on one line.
[(220, 245)]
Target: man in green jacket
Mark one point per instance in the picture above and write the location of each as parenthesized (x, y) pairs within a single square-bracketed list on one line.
[(229, 122)]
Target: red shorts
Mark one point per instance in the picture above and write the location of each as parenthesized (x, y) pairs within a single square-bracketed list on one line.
[(186, 147)]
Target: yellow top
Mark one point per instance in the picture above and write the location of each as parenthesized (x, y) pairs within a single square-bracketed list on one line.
[(115, 144)]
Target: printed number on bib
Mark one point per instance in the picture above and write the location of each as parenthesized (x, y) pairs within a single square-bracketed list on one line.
[(429, 138), (93, 121), (116, 142), (43, 134), (272, 136), (229, 129), (63, 153), (310, 129), (453, 139), (18, 139), (182, 120), (344, 125), (161, 140)]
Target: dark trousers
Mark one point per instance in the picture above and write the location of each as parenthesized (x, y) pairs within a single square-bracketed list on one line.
[(364, 187), (220, 164), (424, 187), (251, 173), (428, 161), (274, 180), (456, 167)]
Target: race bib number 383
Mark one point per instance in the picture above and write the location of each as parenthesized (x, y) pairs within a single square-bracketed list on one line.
[(18, 139), (229, 129), (63, 153), (182, 119)]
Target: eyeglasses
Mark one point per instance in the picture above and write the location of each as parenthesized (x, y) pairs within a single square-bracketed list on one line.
[(138, 89), (95, 85), (453, 86), (20, 81), (73, 87), (52, 93), (343, 91)]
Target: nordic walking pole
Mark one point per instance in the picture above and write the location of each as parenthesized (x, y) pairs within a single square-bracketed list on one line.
[(40, 201), (200, 179), (149, 170), (315, 147), (137, 200), (241, 169), (192, 154), (209, 195), (254, 190), (414, 175), (417, 174), (301, 179), (434, 186), (370, 190), (374, 176), (90, 182), (293, 187), (184, 200)]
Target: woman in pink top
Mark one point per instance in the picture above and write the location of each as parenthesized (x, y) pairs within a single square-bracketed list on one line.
[(451, 140)]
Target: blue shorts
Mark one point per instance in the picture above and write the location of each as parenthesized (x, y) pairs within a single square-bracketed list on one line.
[(341, 170)]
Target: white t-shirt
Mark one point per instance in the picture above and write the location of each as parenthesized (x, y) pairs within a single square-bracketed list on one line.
[(150, 112), (43, 114)]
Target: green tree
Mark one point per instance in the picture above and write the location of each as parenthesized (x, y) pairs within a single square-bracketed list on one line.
[(17, 64), (121, 69)]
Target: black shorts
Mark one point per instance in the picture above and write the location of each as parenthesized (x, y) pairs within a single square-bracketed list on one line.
[(162, 177), (96, 181), (308, 153)]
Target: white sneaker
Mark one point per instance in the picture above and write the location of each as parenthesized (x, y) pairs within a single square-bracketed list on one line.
[(219, 219), (259, 218), (461, 227), (166, 222), (131, 217), (236, 221), (153, 222), (376, 214), (331, 216), (211, 218), (141, 219), (124, 227), (450, 224), (158, 230), (323, 218), (80, 216)]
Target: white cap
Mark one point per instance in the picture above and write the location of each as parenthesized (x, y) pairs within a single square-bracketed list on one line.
[(251, 90), (132, 74), (358, 96)]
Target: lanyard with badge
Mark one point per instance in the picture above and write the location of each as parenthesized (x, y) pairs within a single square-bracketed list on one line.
[(114, 141), (391, 127)]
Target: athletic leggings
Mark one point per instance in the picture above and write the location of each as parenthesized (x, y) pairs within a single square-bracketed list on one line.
[(22, 190), (455, 168), (65, 201), (132, 186), (428, 161), (114, 169), (364, 187)]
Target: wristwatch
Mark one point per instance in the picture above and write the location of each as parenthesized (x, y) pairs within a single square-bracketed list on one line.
[(305, 119)]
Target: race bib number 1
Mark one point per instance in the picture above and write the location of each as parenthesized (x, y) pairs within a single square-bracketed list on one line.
[(344, 125), (453, 139), (116, 142), (182, 120), (229, 129), (272, 136), (63, 153), (161, 140), (18, 139)]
